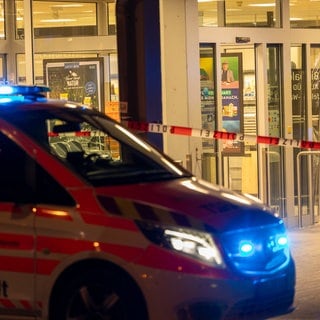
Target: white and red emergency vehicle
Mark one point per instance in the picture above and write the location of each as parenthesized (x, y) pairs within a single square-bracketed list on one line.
[(97, 224)]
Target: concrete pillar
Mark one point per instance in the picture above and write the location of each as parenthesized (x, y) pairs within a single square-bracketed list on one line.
[(138, 41), (159, 75), (28, 42), (181, 78)]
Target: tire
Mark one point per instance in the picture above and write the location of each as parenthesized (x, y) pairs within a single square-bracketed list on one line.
[(97, 294)]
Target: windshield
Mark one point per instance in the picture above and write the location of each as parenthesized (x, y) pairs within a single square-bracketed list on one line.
[(95, 147)]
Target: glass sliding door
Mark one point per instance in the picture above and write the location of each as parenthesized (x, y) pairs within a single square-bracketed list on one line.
[(240, 168), (208, 111), (299, 125), (274, 154)]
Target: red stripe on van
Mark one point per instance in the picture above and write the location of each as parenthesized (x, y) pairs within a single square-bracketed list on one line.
[(112, 222), (17, 264), (7, 304), (16, 241), (26, 304)]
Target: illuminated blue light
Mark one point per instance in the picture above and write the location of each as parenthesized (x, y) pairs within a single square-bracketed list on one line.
[(6, 99), (22, 90), (17, 93), (282, 241), (6, 90), (246, 248)]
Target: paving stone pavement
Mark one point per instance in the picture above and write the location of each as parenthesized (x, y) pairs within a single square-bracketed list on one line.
[(305, 244)]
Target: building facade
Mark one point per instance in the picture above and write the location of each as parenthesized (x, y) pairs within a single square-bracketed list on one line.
[(272, 49)]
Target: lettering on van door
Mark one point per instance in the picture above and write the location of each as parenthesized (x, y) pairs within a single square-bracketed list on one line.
[(4, 288)]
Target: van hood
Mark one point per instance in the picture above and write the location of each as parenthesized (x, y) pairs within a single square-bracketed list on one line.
[(188, 203)]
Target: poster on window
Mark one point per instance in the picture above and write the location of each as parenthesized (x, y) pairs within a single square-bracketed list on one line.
[(208, 100), (78, 80), (232, 106), (315, 92)]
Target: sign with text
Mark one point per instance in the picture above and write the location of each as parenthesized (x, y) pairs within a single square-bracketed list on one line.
[(232, 104), (78, 80), (315, 90)]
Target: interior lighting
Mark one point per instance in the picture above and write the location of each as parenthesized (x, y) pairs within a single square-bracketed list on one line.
[(58, 20), (262, 5), (75, 5)]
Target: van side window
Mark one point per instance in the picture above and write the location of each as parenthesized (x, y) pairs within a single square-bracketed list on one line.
[(49, 191), (13, 184), (23, 180)]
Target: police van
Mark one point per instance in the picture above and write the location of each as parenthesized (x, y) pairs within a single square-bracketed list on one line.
[(95, 223)]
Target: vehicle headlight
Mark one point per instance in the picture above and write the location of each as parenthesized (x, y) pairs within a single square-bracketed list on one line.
[(196, 244)]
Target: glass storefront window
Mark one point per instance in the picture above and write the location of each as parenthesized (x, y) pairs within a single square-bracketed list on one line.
[(2, 21), (3, 68), (240, 171), (114, 79), (38, 64), (208, 110), (208, 12), (274, 154), (238, 114), (58, 19), (315, 159), (111, 18), (298, 92), (315, 87), (304, 14), (299, 122), (243, 13), (250, 14), (246, 13)]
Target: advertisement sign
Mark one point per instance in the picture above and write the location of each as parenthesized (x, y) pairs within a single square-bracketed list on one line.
[(208, 100), (232, 104), (78, 80), (315, 93)]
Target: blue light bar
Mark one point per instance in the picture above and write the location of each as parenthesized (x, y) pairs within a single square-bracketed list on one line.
[(19, 93), (22, 90), (5, 90)]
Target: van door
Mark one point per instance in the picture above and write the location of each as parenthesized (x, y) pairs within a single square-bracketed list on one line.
[(17, 241)]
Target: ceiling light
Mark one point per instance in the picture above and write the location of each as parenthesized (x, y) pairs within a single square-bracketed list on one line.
[(75, 5), (58, 20), (262, 5)]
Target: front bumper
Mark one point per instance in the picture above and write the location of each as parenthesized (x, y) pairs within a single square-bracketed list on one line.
[(180, 296)]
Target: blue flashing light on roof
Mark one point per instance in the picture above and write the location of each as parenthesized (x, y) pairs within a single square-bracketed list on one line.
[(6, 90), (11, 93), (23, 90)]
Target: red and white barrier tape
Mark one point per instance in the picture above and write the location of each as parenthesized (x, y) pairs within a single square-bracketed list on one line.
[(214, 134)]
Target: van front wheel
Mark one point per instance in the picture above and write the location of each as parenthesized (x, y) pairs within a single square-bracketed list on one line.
[(98, 294)]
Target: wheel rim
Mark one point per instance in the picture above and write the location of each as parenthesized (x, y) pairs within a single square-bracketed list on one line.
[(95, 303)]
